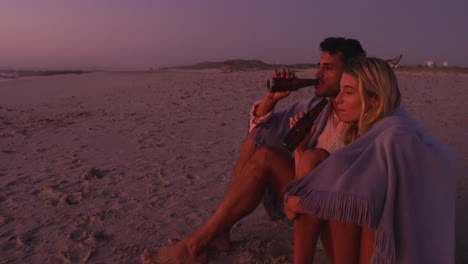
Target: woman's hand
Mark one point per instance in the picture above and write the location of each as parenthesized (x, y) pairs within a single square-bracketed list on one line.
[(291, 208), (303, 145)]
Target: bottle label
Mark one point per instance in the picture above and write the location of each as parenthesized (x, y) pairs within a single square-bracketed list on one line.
[(297, 133), (302, 127)]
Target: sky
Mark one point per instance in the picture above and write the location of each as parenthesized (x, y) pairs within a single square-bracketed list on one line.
[(139, 34)]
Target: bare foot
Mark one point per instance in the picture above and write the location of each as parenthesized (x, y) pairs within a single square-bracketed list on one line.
[(177, 253), (221, 243)]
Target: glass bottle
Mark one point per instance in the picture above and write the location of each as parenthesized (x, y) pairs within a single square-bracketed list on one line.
[(298, 132), (292, 84)]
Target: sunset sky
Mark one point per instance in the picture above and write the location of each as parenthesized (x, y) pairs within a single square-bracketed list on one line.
[(138, 34)]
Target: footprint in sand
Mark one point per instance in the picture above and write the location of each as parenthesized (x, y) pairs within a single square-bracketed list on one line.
[(192, 178), (74, 198), (51, 195), (253, 249), (12, 243), (77, 254), (92, 174), (78, 235), (4, 220)]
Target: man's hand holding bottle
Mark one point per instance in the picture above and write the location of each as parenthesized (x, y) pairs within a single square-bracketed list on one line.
[(283, 74)]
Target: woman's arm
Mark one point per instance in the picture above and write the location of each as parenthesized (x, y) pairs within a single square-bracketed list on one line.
[(292, 206)]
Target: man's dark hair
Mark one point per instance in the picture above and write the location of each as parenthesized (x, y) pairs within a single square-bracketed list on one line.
[(350, 48)]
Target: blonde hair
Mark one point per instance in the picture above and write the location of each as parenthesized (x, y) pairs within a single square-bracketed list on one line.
[(376, 80)]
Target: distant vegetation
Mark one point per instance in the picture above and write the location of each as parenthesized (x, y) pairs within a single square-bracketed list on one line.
[(249, 65), (49, 73), (244, 65), (233, 65), (22, 73)]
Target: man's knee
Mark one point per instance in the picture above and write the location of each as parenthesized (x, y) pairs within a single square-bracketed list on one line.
[(263, 154), (249, 143), (265, 157)]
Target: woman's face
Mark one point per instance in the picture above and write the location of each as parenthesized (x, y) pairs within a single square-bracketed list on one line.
[(348, 103)]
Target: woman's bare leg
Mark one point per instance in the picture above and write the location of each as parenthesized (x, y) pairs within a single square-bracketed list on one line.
[(307, 227), (244, 194), (325, 238), (345, 240), (306, 231), (367, 245), (309, 161), (340, 240)]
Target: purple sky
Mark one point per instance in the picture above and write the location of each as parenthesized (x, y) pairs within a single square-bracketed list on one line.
[(138, 34)]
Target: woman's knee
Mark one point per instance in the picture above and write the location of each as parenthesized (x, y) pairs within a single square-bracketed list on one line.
[(316, 155), (311, 159)]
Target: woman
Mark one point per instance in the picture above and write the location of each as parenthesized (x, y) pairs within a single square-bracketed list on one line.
[(388, 196)]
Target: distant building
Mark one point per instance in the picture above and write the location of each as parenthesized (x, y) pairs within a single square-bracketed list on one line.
[(429, 64), (226, 68), (445, 63)]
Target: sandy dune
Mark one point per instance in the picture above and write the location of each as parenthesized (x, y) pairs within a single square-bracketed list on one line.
[(95, 168)]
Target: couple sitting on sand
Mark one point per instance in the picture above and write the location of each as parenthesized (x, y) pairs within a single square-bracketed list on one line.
[(368, 180)]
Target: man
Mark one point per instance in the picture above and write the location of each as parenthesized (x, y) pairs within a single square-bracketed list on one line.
[(263, 162)]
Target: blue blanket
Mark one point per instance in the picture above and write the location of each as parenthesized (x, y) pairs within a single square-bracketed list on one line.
[(396, 179)]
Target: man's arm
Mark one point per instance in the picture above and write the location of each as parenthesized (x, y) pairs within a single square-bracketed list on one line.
[(268, 103), (270, 99), (262, 110)]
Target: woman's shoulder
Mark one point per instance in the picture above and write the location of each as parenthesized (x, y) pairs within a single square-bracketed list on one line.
[(401, 131), (400, 122)]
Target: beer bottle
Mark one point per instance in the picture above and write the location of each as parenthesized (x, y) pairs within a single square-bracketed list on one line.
[(298, 132), (292, 84)]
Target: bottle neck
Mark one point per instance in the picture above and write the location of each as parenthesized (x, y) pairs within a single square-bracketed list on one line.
[(315, 112), (302, 83), (280, 84), (308, 82)]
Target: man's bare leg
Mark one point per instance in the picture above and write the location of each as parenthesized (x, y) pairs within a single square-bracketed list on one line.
[(243, 196), (222, 242)]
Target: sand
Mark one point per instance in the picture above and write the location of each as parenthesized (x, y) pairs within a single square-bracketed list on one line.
[(94, 168)]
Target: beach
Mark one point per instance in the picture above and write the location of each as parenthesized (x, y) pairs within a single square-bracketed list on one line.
[(96, 167)]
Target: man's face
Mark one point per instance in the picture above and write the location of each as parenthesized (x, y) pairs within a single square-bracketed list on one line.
[(330, 70)]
